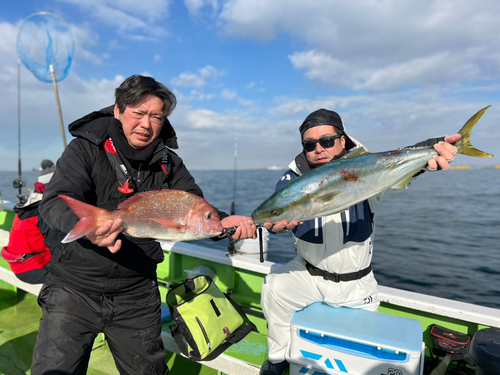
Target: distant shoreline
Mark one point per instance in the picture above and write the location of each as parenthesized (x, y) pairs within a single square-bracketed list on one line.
[(276, 168)]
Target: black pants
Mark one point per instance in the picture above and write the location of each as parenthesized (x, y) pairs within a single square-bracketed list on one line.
[(72, 319), (34, 276)]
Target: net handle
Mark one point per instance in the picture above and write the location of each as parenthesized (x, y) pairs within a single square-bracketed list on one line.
[(54, 81)]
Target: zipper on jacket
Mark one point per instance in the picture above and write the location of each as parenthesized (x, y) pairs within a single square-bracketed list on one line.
[(347, 221), (139, 174), (204, 334)]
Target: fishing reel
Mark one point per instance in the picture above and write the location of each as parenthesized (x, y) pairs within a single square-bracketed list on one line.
[(22, 199), (18, 184)]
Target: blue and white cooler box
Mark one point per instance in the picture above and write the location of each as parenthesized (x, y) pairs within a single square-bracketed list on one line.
[(341, 341)]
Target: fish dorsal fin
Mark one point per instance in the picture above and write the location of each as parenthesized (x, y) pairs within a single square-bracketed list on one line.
[(169, 224), (356, 153), (326, 198), (135, 198)]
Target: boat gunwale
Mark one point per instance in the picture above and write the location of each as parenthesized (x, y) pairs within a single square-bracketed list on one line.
[(465, 311)]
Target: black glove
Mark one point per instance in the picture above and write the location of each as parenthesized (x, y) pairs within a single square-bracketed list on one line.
[(429, 142)]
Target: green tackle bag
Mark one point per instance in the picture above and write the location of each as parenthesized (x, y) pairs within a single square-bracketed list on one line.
[(206, 320)]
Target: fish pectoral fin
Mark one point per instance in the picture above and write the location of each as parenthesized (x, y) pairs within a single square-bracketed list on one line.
[(403, 184), (326, 198), (168, 223)]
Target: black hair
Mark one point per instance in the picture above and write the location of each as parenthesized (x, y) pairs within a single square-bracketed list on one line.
[(133, 89)]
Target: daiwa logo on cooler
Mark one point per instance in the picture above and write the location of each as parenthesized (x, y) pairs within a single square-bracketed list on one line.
[(327, 362), (338, 363)]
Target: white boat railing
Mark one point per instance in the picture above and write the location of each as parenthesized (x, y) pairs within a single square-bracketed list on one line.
[(417, 301), (441, 306)]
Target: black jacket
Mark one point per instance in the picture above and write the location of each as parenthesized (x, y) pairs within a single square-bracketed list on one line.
[(84, 172)]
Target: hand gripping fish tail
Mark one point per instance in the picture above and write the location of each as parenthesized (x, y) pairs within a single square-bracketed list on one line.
[(464, 145)]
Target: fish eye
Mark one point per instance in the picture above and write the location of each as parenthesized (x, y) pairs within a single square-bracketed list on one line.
[(275, 213), (208, 215)]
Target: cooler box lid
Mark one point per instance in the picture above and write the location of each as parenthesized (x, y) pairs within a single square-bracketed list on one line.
[(361, 326)]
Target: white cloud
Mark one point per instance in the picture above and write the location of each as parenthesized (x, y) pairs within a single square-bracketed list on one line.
[(8, 54), (377, 45), (228, 94), (128, 19), (197, 79), (152, 10), (359, 58), (206, 119), (188, 80), (257, 18), (246, 102), (9, 34), (195, 7), (439, 69), (324, 68), (210, 72)]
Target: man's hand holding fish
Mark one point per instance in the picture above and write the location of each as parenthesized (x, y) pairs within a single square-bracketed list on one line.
[(446, 153), (245, 226), (105, 235)]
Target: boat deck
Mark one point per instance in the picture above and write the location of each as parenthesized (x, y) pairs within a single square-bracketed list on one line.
[(19, 319)]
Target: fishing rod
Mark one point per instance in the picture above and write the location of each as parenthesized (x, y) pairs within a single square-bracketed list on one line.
[(234, 175), (230, 247), (18, 184), (230, 231)]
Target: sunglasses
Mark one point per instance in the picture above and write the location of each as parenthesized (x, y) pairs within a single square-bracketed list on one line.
[(325, 142)]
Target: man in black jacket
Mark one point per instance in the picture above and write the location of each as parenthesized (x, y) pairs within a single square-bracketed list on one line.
[(106, 282)]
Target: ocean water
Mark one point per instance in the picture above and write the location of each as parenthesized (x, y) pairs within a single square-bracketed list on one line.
[(440, 237)]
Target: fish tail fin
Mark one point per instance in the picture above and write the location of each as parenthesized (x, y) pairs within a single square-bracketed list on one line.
[(90, 218), (464, 145)]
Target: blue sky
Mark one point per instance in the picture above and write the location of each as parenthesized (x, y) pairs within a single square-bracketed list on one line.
[(396, 72)]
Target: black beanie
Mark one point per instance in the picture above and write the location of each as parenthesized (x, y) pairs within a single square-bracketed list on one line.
[(326, 117)]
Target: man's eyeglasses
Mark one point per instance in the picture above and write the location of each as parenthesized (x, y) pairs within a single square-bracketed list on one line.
[(325, 142)]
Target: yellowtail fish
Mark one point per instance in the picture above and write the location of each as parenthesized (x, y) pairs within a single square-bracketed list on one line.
[(169, 215), (339, 184)]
